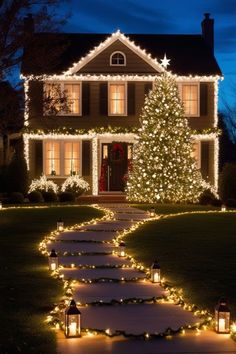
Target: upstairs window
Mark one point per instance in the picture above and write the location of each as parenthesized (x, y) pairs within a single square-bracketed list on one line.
[(62, 98), (73, 92), (117, 98), (190, 98), (117, 59)]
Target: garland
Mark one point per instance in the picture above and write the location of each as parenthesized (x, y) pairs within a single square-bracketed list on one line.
[(72, 131)]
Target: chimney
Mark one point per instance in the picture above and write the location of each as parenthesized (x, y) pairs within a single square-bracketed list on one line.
[(208, 31), (29, 25)]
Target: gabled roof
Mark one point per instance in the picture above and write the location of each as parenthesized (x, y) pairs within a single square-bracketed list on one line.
[(57, 52)]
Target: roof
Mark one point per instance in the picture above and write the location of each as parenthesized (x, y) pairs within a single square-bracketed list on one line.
[(56, 52)]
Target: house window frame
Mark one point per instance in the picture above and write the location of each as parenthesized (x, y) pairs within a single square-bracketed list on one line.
[(62, 156), (191, 83), (62, 88), (117, 52), (126, 99)]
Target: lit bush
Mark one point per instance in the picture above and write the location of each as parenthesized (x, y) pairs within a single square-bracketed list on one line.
[(43, 185), (75, 184)]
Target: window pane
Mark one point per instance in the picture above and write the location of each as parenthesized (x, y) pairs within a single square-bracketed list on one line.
[(190, 99), (118, 59), (117, 98), (196, 153), (52, 158), (51, 97), (71, 158), (73, 92)]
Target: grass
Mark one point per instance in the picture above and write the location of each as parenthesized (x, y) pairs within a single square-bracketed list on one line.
[(196, 253), (175, 208), (27, 291)]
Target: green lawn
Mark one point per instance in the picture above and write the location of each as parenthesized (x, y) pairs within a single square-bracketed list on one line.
[(197, 252), (27, 291)]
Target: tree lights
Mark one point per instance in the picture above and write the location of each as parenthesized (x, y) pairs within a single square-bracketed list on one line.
[(72, 321), (53, 261), (222, 317), (163, 169)]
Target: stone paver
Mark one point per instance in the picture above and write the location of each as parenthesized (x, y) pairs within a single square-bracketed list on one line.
[(81, 247), (87, 236), (133, 318), (98, 260), (116, 291), (93, 274)]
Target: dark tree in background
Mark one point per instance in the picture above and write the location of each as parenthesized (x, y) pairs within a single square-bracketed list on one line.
[(18, 21)]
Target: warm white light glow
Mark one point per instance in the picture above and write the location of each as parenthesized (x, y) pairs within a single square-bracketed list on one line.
[(222, 325), (72, 328), (156, 277), (53, 266)]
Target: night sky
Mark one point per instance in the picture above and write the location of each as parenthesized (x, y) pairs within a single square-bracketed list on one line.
[(166, 16)]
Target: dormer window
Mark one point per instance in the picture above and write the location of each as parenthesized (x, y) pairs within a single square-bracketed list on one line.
[(117, 59)]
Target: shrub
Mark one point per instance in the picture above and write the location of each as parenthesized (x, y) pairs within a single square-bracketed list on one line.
[(43, 185), (75, 184), (67, 197), (35, 197), (231, 203), (16, 178), (16, 198), (227, 182), (208, 198), (49, 196)]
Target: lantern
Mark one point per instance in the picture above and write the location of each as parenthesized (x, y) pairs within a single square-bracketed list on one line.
[(122, 249), (152, 212), (60, 225), (223, 207), (222, 317), (72, 320), (0, 205), (155, 272), (53, 260)]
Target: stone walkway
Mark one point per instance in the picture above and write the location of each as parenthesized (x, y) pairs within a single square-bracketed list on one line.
[(100, 276)]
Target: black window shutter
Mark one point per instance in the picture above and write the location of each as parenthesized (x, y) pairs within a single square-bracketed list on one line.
[(147, 87), (85, 98), (203, 99), (103, 99), (38, 160), (205, 159), (131, 98), (86, 158)]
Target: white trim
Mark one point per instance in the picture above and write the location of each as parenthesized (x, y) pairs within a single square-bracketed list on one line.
[(126, 99), (110, 40), (117, 52), (189, 83)]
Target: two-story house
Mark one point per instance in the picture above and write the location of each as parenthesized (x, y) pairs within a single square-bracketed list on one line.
[(106, 78)]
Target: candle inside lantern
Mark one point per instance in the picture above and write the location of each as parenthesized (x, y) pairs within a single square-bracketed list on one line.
[(221, 325), (73, 328)]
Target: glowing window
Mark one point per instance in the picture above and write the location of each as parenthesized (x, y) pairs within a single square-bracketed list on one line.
[(117, 99), (52, 158), (196, 153), (190, 99), (71, 158), (73, 92), (118, 59)]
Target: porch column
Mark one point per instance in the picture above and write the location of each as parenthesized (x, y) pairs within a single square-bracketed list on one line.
[(95, 166)]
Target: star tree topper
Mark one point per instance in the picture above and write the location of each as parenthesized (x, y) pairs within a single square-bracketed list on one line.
[(165, 62)]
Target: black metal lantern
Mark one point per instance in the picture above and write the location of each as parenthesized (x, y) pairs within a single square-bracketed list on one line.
[(122, 249), (72, 320), (155, 272), (222, 317), (152, 212), (60, 225), (53, 260)]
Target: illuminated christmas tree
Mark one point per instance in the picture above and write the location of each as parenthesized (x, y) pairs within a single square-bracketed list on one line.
[(164, 169)]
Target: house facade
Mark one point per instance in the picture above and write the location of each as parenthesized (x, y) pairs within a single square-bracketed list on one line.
[(104, 80)]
